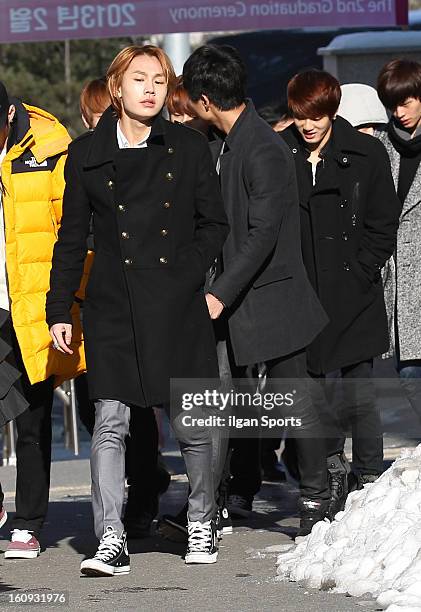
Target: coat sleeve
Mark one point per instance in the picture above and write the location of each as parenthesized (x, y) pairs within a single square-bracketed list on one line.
[(268, 177), (70, 248), (381, 221), (211, 227)]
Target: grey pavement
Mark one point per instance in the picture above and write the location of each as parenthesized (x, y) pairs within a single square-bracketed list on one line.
[(243, 579)]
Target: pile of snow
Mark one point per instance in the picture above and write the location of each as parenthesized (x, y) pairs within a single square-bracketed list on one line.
[(373, 546)]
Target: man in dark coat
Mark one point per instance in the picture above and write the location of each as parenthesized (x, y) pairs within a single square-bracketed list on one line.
[(349, 216), (158, 222), (261, 292)]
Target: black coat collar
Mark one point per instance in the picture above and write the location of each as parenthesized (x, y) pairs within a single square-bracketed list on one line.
[(346, 140), (234, 137), (104, 145)]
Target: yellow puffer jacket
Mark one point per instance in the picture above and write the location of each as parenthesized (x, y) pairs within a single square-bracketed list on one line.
[(32, 175)]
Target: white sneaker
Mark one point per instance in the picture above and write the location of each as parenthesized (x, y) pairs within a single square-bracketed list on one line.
[(111, 558), (202, 544)]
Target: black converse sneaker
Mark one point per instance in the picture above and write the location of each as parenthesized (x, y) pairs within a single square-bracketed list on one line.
[(203, 543), (111, 558), (223, 522)]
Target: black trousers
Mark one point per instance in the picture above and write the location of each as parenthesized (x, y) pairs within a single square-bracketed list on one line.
[(142, 470), (33, 447), (311, 451), (357, 415)]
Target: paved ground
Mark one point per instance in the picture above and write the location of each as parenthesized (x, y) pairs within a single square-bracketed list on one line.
[(242, 580)]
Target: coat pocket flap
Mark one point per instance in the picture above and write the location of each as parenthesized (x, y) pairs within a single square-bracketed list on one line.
[(271, 275)]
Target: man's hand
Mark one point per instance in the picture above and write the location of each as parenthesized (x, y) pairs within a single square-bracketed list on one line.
[(215, 307), (61, 335)]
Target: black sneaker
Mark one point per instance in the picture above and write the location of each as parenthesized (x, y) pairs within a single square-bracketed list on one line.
[(338, 470), (239, 506), (311, 512), (223, 523), (111, 558), (202, 543), (174, 527)]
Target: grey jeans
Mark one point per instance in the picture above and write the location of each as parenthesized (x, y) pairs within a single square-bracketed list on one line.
[(112, 420)]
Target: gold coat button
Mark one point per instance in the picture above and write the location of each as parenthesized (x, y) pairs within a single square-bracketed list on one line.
[(164, 232), (167, 204), (111, 184), (170, 150), (163, 260), (128, 261), (169, 176), (121, 207), (125, 235)]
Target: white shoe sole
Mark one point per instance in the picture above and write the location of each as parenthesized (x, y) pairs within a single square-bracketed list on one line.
[(227, 530), (96, 568), (21, 554), (201, 558), (4, 519)]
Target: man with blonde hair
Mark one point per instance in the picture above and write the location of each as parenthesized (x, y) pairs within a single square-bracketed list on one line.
[(158, 222)]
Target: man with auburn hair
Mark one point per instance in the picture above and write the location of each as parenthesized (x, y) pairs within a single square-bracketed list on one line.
[(349, 216), (399, 88), (94, 99), (158, 223), (261, 293)]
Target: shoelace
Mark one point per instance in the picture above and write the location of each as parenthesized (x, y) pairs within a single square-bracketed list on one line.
[(200, 536), (109, 546), (21, 535)]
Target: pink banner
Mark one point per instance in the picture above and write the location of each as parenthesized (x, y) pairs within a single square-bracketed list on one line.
[(32, 20)]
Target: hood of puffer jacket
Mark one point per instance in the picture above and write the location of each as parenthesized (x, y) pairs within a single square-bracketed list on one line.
[(38, 130), (360, 105)]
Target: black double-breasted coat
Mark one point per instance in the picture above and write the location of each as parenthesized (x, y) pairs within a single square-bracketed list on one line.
[(158, 223), (272, 309), (349, 221)]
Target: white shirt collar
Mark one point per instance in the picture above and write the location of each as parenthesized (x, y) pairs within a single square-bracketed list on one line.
[(123, 143)]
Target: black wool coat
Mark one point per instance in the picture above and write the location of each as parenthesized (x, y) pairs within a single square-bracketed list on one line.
[(349, 221), (272, 309), (158, 223)]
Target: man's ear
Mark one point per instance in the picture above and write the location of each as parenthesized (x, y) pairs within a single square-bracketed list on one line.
[(205, 102), (11, 113)]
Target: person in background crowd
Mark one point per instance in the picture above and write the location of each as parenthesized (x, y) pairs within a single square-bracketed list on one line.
[(399, 88), (360, 105), (276, 115), (146, 474), (349, 216), (33, 150), (158, 222), (260, 292), (94, 99), (180, 111)]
